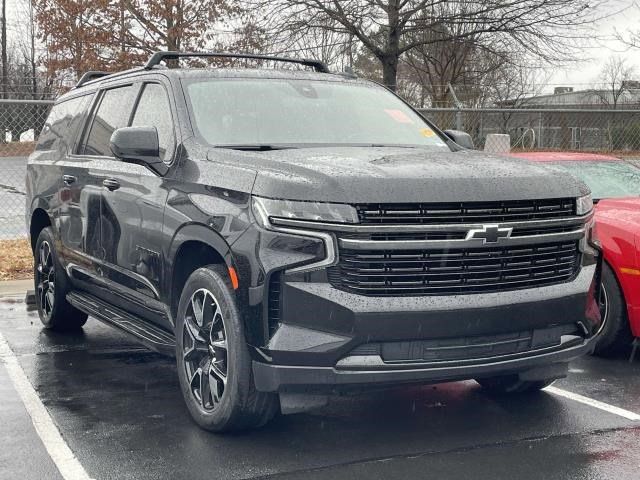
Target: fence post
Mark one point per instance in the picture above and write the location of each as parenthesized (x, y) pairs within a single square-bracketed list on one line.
[(539, 129), (458, 107), (458, 119)]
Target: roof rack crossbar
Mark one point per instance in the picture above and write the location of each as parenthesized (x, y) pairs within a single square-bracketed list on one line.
[(89, 76), (158, 57)]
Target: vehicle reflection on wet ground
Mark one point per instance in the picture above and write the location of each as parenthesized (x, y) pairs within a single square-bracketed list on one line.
[(118, 407)]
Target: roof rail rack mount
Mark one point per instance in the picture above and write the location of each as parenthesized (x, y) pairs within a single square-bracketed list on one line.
[(158, 57), (90, 76)]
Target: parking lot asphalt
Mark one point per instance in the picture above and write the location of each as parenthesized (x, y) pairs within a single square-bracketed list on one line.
[(118, 408)]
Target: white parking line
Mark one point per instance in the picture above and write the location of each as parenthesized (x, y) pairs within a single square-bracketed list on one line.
[(593, 403), (67, 463)]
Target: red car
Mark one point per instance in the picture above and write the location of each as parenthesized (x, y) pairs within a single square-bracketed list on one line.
[(615, 187)]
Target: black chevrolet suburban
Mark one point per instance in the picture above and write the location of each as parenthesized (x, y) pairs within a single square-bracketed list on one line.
[(291, 234)]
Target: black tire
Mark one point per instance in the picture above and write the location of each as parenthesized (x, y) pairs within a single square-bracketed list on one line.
[(615, 335), (51, 287), (511, 384), (210, 338)]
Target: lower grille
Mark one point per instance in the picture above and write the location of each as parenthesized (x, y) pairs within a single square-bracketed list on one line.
[(454, 271), (467, 348)]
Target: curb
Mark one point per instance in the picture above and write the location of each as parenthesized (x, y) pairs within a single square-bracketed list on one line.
[(15, 287)]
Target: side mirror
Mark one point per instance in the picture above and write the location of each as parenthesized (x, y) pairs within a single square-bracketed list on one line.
[(461, 138), (138, 145)]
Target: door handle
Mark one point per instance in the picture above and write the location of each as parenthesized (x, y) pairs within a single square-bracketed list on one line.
[(69, 179), (111, 184)]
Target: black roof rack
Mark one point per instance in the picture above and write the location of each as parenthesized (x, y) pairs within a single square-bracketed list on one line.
[(89, 76), (158, 57)]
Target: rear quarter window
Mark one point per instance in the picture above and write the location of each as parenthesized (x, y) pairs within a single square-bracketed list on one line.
[(62, 124)]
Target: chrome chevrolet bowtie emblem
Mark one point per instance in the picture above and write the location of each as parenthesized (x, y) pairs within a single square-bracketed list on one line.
[(489, 233)]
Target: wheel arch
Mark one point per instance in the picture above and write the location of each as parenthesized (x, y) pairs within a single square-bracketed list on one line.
[(627, 287), (39, 220), (193, 246), (624, 292)]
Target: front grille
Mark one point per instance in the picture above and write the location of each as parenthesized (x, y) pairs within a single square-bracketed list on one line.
[(454, 271), (403, 236), (467, 348), (467, 212)]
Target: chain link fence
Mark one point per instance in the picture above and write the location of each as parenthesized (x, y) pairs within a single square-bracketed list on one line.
[(20, 123), (614, 132)]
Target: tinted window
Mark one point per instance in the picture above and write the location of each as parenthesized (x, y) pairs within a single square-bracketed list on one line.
[(113, 112), (154, 111), (61, 125)]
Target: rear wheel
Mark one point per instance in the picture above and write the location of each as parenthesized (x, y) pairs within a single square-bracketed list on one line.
[(615, 334), (52, 286), (214, 365), (511, 384)]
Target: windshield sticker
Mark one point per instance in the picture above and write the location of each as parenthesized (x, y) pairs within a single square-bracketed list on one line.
[(427, 132), (398, 115)]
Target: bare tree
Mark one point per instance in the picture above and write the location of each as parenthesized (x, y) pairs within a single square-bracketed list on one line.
[(387, 28), (333, 48), (171, 24), (26, 49), (4, 49), (448, 56), (614, 77), (512, 86), (631, 36)]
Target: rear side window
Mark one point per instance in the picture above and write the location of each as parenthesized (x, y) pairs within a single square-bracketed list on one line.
[(112, 113), (154, 111), (62, 124)]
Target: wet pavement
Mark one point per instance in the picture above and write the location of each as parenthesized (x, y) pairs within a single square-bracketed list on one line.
[(118, 407)]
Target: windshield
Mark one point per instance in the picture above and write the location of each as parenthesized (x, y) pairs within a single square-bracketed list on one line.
[(229, 112), (606, 179)]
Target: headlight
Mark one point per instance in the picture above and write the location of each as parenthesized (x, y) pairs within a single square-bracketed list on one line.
[(584, 205), (266, 209)]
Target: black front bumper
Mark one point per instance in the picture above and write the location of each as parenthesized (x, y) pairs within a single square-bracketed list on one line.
[(321, 328), (538, 366)]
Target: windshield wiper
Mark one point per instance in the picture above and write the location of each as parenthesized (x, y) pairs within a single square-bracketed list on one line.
[(257, 147)]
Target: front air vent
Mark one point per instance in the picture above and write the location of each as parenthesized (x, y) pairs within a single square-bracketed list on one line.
[(275, 302), (465, 212)]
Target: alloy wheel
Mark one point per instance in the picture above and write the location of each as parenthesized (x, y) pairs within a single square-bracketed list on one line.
[(45, 279), (204, 349)]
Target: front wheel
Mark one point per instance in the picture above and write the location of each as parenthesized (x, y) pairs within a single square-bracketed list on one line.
[(214, 365), (511, 384)]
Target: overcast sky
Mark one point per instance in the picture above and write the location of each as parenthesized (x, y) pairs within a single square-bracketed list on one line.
[(587, 71)]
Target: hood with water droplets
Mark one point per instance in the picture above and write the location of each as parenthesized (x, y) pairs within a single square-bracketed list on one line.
[(396, 174)]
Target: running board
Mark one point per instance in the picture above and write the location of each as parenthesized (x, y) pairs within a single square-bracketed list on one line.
[(148, 334)]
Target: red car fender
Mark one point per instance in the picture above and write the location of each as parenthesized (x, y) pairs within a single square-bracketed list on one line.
[(620, 249), (632, 291), (617, 228)]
